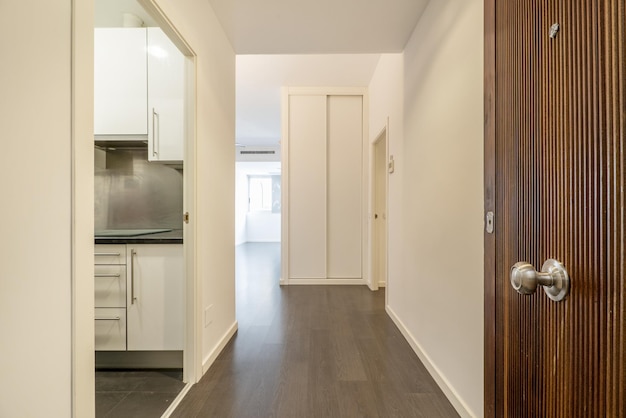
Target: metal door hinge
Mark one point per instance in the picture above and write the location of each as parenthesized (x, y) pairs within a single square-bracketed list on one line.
[(186, 217), (489, 222)]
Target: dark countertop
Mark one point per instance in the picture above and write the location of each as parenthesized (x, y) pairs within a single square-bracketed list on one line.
[(172, 237)]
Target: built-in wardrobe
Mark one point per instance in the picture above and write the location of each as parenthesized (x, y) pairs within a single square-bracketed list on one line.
[(323, 177)]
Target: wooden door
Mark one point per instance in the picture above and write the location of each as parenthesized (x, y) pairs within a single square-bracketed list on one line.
[(554, 178)]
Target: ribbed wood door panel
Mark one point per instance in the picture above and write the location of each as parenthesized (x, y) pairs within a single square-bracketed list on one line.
[(560, 121)]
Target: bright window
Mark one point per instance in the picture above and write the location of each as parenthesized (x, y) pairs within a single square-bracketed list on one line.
[(264, 193)]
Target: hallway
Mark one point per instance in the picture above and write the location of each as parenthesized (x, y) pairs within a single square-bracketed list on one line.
[(311, 351)]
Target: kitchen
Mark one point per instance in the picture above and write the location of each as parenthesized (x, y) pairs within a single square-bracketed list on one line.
[(139, 277)]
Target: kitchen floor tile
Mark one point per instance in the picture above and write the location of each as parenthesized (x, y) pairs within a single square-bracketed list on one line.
[(136, 394), (142, 405)]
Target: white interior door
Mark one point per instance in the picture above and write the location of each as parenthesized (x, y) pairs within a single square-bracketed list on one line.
[(380, 211), (307, 187), (345, 186)]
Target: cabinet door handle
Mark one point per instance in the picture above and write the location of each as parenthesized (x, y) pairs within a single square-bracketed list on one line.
[(133, 253), (112, 318), (156, 136), (107, 254), (108, 275)]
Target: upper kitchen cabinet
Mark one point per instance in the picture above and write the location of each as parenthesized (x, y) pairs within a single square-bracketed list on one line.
[(166, 89), (139, 90), (120, 82)]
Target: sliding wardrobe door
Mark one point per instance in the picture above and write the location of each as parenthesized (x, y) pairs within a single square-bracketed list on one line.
[(344, 186), (307, 187)]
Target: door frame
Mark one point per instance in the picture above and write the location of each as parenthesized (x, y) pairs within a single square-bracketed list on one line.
[(192, 349), (83, 366), (491, 354)]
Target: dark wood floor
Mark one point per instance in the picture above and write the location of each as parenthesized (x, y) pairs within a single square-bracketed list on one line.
[(311, 351)]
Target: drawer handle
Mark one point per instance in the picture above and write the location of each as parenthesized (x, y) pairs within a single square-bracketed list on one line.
[(108, 275), (112, 318), (107, 254)]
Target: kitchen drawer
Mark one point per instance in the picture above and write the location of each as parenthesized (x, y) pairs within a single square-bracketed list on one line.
[(110, 254), (110, 329), (110, 286)]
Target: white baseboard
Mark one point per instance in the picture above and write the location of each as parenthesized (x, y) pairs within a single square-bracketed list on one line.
[(458, 404), (168, 412), (210, 358), (291, 282), (382, 284), (206, 364)]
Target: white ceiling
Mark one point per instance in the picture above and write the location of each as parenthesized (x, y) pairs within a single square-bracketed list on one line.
[(318, 26), (355, 32), (261, 77)]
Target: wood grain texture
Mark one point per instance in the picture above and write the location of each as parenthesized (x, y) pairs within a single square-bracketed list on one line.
[(311, 351), (490, 303), (559, 139)]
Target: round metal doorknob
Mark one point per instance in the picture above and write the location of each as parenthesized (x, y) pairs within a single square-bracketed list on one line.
[(553, 277)]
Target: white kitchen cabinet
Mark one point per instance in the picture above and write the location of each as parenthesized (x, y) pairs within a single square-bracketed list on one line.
[(166, 90), (110, 297), (139, 297), (155, 297), (139, 90), (120, 82)]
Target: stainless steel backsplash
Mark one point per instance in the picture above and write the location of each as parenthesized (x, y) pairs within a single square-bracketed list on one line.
[(132, 193)]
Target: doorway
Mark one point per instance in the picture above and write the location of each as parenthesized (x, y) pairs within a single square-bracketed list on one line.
[(160, 356), (257, 201)]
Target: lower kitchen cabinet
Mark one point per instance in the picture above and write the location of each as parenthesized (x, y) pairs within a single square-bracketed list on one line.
[(139, 297), (155, 297)]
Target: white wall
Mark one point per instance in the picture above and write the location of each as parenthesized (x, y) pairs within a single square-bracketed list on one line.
[(215, 162), (436, 285), (386, 92), (36, 209), (263, 226), (42, 147)]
